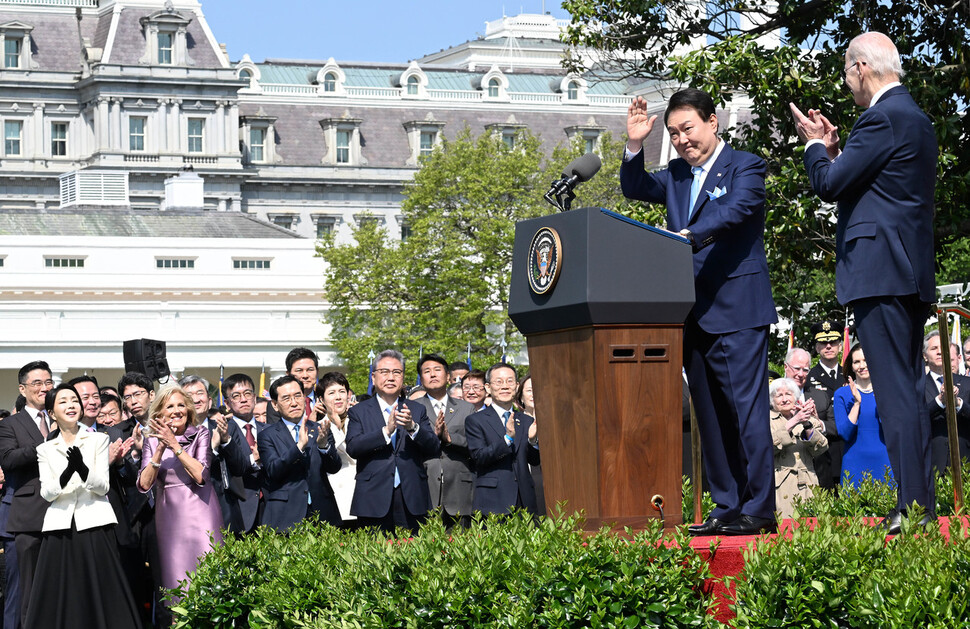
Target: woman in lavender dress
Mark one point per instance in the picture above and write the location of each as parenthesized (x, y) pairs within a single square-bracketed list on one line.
[(175, 461)]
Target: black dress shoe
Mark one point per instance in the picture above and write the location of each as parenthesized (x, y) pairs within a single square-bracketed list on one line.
[(749, 525), (710, 526), (893, 522)]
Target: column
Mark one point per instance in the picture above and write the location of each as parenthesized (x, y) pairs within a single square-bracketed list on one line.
[(161, 126), (101, 124), (219, 122), (232, 130), (116, 134), (175, 144), (37, 142)]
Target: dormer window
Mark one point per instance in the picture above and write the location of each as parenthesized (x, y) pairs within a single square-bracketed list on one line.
[(165, 43), (260, 132), (343, 141), (330, 82), (572, 91), (15, 41), (413, 84), (11, 52), (423, 137), (166, 39), (493, 88)]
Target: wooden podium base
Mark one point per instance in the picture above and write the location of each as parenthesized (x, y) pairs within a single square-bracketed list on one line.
[(609, 406)]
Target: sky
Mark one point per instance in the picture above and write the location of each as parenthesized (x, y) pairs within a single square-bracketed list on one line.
[(356, 30)]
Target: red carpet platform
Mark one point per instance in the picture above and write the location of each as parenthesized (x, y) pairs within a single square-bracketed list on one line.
[(725, 557)]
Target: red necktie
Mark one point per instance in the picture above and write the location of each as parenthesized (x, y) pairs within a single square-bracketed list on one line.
[(308, 407), (44, 424), (250, 439)]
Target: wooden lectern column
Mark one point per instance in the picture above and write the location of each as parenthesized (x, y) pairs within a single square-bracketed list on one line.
[(609, 399)]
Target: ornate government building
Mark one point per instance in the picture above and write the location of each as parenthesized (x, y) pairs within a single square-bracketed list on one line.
[(151, 186)]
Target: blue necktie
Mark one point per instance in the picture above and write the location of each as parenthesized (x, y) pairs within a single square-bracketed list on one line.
[(397, 475), (695, 188)]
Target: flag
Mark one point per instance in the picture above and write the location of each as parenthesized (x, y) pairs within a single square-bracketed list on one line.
[(468, 356), (791, 336), (417, 383), (958, 342), (845, 337), (221, 370), (262, 381), (370, 374)]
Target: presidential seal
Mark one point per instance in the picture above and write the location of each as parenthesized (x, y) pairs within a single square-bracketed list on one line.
[(545, 259)]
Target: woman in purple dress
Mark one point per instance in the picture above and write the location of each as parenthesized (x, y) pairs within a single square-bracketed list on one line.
[(175, 461)]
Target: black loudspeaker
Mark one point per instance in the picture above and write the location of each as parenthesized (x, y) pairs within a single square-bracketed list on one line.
[(146, 356)]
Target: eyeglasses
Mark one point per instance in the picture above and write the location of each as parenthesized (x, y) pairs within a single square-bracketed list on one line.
[(296, 397), (36, 384), (835, 342), (242, 395), (798, 369), (501, 382), (389, 372), (131, 396), (845, 71), (114, 413), (472, 387)]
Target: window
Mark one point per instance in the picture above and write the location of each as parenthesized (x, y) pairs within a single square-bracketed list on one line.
[(493, 87), (257, 144), (343, 146), (64, 263), (196, 131), (590, 142), (428, 139), (405, 231), (508, 138), (165, 41), (1, 261), (413, 83), (245, 74), (58, 139), (13, 131), (136, 133), (11, 51), (572, 90), (330, 82), (325, 225), (283, 220), (174, 263), (250, 264)]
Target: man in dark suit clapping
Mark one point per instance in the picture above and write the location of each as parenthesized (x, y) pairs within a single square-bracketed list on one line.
[(391, 438), (935, 402), (884, 181)]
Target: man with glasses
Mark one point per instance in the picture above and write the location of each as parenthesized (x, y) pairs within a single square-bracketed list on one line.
[(391, 438), (503, 443), (243, 499), (297, 456), (23, 507), (473, 389), (824, 380), (884, 181)]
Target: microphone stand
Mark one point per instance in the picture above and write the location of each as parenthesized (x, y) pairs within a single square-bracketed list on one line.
[(561, 195)]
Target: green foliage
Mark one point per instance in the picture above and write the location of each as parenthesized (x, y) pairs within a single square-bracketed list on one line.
[(447, 284), (648, 40), (509, 573), (846, 574)]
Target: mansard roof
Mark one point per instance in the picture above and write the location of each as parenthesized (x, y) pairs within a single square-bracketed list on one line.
[(128, 47), (54, 36), (108, 222)]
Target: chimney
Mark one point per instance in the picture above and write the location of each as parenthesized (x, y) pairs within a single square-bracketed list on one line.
[(184, 191)]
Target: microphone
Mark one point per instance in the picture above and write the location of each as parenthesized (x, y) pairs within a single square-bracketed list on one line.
[(579, 170)]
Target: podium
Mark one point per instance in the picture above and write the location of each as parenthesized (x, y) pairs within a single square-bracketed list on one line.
[(601, 300)]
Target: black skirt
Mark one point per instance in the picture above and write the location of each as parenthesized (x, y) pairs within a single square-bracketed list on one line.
[(79, 582)]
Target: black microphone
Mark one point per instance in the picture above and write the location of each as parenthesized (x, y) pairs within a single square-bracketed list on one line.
[(579, 170)]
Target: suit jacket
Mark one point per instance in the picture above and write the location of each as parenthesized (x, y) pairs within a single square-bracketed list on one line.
[(138, 506), (884, 183), (820, 380), (940, 435), (451, 475), (503, 478), (236, 478), (731, 285), (85, 502), (821, 388), (117, 489), (377, 459), (19, 438), (290, 477)]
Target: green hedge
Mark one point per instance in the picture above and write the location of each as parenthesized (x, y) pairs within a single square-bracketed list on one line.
[(508, 573)]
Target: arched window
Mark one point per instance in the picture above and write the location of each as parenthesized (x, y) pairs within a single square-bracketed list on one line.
[(493, 87), (413, 83), (245, 74), (572, 90), (330, 82)]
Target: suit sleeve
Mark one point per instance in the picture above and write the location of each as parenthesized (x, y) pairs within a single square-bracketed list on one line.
[(97, 482), (277, 458), (361, 442), (331, 458), (638, 184), (483, 453), (233, 454), (866, 152), (13, 456), (747, 200)]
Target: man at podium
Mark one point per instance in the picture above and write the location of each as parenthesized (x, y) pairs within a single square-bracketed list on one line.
[(715, 197)]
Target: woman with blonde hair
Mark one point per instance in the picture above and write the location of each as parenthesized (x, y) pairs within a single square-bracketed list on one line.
[(798, 437), (175, 463)]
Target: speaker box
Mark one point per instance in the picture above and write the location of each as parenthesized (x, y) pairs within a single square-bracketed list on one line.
[(146, 356)]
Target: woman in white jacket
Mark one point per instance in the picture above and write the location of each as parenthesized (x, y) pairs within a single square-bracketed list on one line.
[(79, 581), (333, 401)]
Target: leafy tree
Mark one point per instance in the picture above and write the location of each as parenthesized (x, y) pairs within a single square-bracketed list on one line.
[(447, 284), (650, 40)]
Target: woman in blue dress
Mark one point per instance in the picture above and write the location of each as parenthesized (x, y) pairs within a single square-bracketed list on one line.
[(858, 423)]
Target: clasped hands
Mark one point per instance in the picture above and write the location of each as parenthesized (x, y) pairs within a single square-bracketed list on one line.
[(75, 463), (399, 417), (304, 437)]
